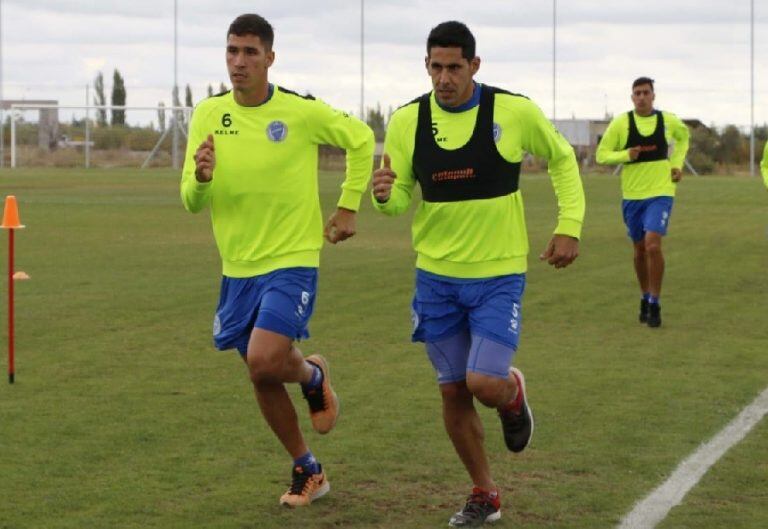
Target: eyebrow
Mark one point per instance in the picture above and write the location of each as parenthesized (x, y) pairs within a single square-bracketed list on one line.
[(433, 62), (232, 47)]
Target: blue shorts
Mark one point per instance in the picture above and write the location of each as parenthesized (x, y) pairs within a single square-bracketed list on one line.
[(445, 307), (650, 214), (281, 301)]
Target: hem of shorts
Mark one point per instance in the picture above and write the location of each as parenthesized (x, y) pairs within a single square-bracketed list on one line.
[(495, 337), (425, 339), (452, 380), (279, 325), (489, 373)]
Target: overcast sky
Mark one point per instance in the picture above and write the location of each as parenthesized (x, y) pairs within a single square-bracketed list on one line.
[(697, 50)]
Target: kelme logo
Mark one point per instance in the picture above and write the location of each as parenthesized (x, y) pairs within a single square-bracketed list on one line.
[(226, 122), (277, 131)]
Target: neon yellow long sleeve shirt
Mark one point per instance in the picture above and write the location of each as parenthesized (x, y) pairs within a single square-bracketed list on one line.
[(646, 179), (263, 197), (764, 165), (482, 237)]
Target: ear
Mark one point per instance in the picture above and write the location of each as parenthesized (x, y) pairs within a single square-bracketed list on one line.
[(426, 63), (474, 65), (270, 58)]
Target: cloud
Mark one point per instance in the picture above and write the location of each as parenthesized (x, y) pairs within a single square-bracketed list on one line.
[(698, 51)]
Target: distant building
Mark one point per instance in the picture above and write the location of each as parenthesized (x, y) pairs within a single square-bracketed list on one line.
[(585, 134)]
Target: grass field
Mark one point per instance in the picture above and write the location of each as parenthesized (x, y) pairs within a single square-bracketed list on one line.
[(124, 416)]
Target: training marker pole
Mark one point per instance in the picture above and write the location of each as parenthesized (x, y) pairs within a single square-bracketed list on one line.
[(11, 370)]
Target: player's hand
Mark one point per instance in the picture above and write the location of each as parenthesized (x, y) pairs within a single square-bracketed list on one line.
[(677, 174), (205, 160), (561, 251), (340, 226), (383, 178), (634, 152)]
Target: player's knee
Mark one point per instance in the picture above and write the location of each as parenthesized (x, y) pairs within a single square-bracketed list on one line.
[(653, 248), (488, 390), (455, 392), (264, 365)]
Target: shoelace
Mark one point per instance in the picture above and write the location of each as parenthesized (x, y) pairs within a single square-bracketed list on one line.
[(299, 481)]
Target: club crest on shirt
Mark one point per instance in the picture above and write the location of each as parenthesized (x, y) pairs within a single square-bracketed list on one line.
[(277, 131), (496, 132)]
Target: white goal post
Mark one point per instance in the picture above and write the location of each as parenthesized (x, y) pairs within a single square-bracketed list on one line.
[(178, 115)]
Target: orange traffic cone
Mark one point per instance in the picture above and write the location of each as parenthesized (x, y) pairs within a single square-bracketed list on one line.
[(11, 214)]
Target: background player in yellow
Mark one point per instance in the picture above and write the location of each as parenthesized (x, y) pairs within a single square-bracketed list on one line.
[(764, 165), (463, 144), (252, 159), (640, 139)]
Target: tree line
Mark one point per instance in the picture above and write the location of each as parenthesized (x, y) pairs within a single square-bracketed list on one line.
[(711, 148), (119, 97)]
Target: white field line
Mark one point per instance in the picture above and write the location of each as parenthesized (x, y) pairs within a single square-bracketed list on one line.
[(655, 507)]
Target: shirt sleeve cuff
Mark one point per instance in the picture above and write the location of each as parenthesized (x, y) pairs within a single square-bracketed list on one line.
[(569, 227), (350, 199), (201, 187)]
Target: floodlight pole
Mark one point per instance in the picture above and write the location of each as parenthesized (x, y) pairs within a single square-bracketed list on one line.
[(175, 146), (2, 116), (752, 88), (87, 145), (362, 60), (554, 59)]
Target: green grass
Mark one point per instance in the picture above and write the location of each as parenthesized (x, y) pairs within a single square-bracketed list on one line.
[(123, 415)]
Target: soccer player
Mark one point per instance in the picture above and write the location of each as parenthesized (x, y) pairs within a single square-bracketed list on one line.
[(463, 143), (640, 139), (252, 159), (764, 165)]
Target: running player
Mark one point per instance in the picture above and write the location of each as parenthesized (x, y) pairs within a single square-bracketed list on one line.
[(252, 160), (640, 139), (463, 143)]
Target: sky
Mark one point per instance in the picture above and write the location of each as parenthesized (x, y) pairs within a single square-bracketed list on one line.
[(698, 51)]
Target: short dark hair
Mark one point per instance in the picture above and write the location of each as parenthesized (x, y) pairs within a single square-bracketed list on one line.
[(250, 24), (452, 34), (642, 80)]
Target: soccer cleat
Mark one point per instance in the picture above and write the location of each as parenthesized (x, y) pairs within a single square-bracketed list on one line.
[(481, 507), (517, 426), (643, 310), (654, 315), (305, 488), (323, 402)]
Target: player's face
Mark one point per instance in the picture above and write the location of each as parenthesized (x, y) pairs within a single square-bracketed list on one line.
[(642, 97), (247, 62), (451, 75)]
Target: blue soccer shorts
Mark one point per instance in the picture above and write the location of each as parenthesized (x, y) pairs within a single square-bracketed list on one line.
[(468, 324), (650, 214), (280, 301)]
